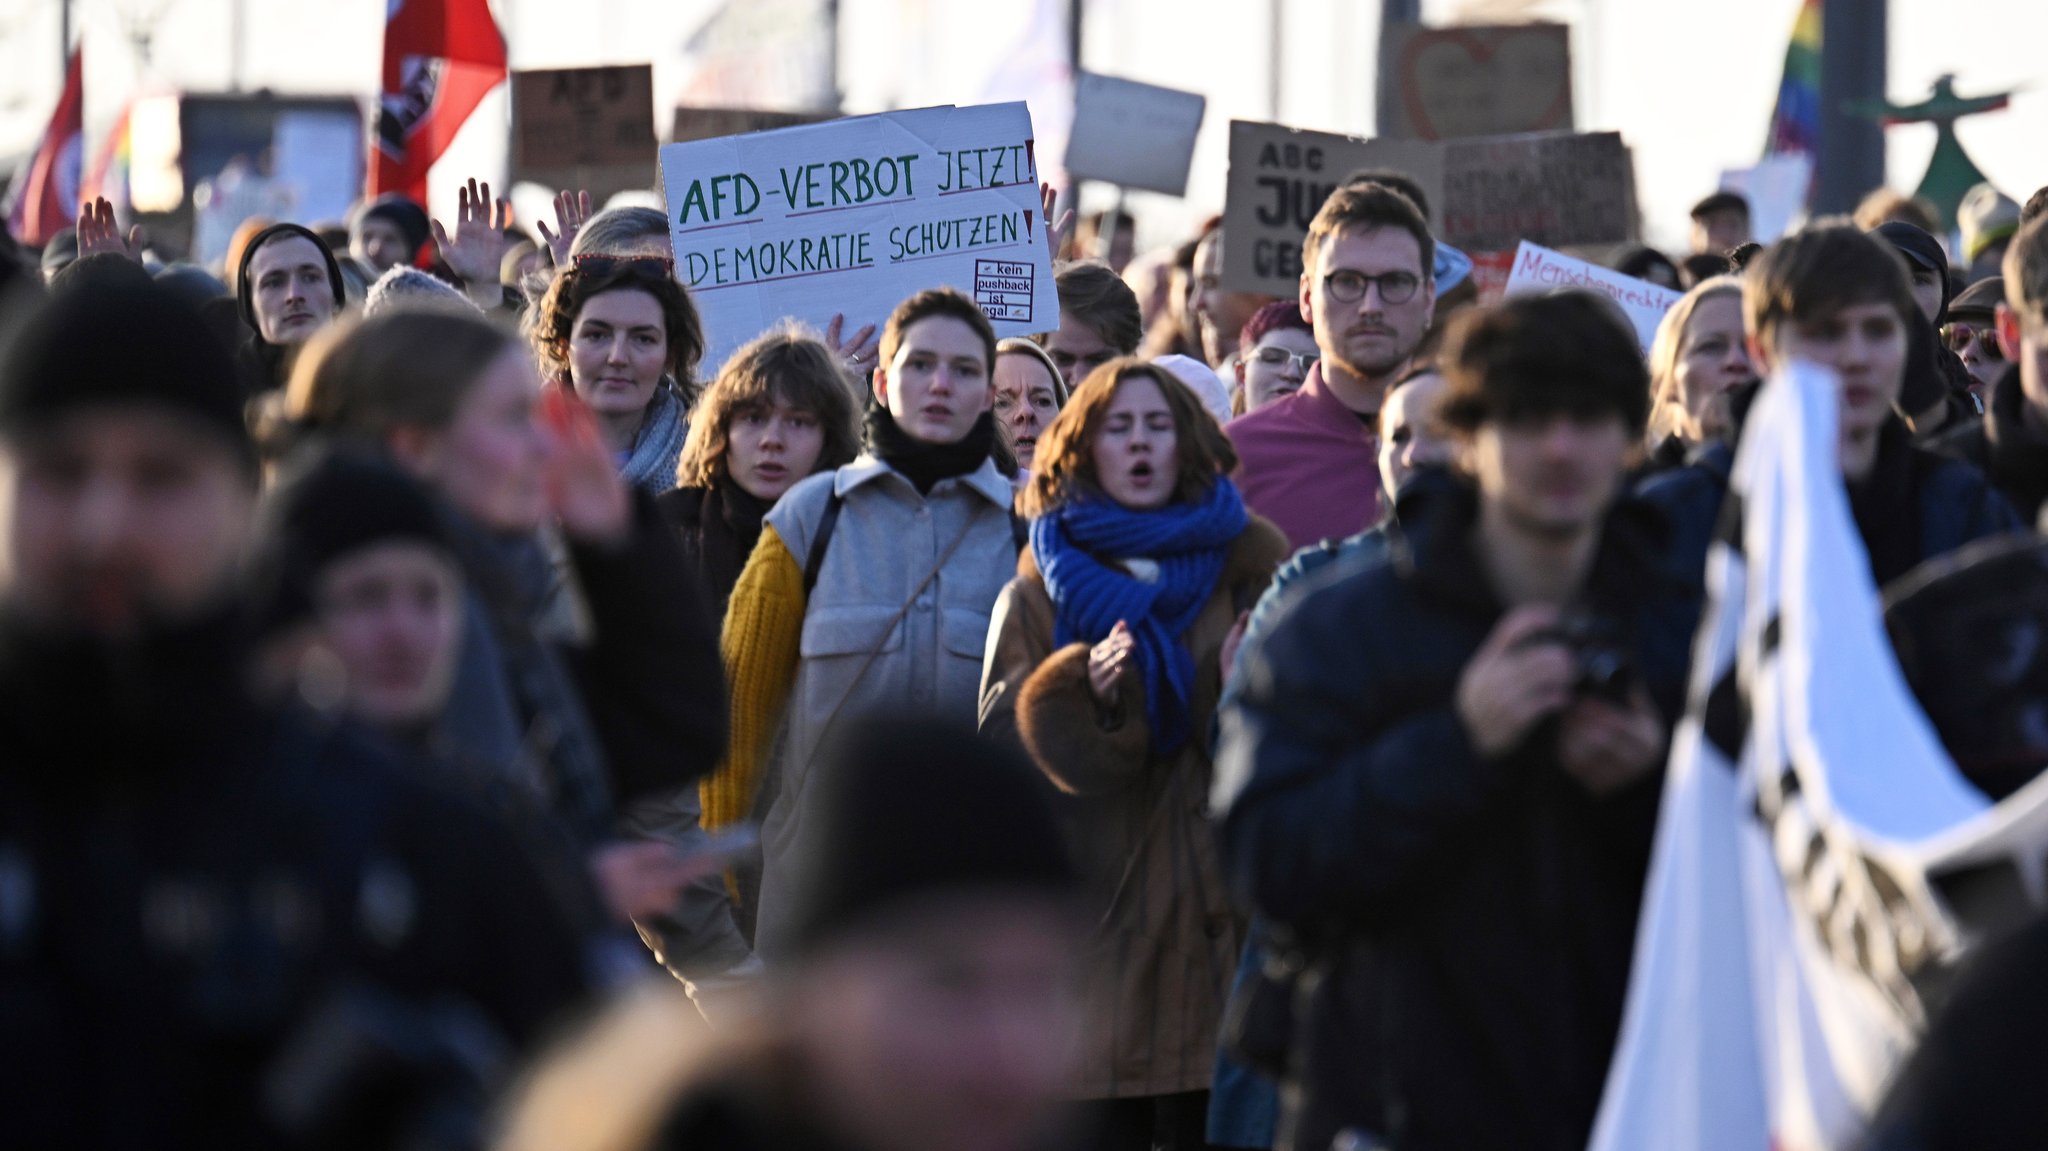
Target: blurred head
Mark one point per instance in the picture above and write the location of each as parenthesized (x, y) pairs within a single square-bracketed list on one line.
[(2023, 316), (1700, 352), (1972, 331), (1720, 223), (127, 479), (1411, 435), (354, 564), (1367, 282), (1123, 243), (1133, 434), (454, 399), (625, 233), (290, 285), (1926, 266), (387, 232), (1838, 297), (1884, 205), (1650, 265), (1099, 320), (781, 409), (1547, 398), (931, 1000), (1222, 314), (1029, 392), (1275, 351), (407, 287), (611, 329), (937, 353)]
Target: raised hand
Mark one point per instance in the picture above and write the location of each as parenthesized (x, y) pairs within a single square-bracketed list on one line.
[(1108, 661), (98, 232), (857, 350), (1056, 234), (479, 244), (589, 498), (572, 211)]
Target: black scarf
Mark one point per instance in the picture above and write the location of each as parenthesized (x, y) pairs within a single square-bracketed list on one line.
[(95, 713), (2018, 457), (925, 464), (718, 527)]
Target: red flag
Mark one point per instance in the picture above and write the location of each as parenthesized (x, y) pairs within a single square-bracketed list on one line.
[(441, 57), (46, 189)]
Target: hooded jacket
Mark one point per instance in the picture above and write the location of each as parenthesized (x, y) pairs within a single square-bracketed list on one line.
[(263, 363), (2014, 456)]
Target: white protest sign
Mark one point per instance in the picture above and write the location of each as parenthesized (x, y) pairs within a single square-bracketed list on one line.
[(1538, 269), (1776, 190), (1133, 135), (852, 216)]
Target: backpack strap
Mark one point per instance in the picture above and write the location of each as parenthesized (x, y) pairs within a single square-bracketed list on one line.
[(815, 561), (1020, 532)]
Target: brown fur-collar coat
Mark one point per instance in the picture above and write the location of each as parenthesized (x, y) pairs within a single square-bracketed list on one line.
[(1165, 934)]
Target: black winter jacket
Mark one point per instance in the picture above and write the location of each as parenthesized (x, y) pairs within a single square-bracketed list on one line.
[(2014, 456), (1471, 921)]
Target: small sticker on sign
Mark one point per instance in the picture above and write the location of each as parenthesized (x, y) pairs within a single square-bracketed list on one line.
[(1004, 288)]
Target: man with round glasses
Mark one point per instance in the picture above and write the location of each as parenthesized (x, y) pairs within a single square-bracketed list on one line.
[(1309, 461)]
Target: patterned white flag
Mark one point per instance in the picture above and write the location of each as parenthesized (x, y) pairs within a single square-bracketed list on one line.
[(1817, 850)]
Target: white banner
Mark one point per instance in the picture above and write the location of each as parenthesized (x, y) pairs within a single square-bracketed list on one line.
[(852, 216), (1538, 269)]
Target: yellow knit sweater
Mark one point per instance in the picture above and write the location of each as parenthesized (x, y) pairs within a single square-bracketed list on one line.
[(763, 627)]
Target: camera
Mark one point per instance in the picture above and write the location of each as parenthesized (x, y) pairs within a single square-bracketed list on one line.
[(1602, 667)]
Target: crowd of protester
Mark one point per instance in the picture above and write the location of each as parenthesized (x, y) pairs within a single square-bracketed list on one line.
[(443, 710)]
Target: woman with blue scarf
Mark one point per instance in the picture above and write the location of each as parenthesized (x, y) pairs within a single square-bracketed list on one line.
[(1104, 662)]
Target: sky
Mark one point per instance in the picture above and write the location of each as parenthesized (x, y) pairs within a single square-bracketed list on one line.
[(1689, 83)]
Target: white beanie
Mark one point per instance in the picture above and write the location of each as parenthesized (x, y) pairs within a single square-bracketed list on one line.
[(1206, 384)]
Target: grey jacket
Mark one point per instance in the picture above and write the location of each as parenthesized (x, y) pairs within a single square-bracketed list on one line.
[(887, 539)]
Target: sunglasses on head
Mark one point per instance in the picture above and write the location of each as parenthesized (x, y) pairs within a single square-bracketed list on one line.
[(1958, 337), (599, 264)]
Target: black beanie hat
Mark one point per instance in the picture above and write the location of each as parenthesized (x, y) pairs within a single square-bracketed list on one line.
[(1922, 251), (327, 503), (400, 212), (109, 340), (245, 291), (914, 807)]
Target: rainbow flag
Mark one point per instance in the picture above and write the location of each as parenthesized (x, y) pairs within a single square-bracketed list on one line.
[(109, 176), (1795, 123)]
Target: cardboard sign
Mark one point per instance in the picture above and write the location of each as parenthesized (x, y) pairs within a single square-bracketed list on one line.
[(1133, 135), (1486, 193), (1540, 270), (566, 117), (711, 123), (854, 215), (1555, 189), (1279, 178), (1443, 83)]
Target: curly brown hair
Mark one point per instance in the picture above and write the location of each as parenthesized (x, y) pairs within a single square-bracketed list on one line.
[(1065, 463), (788, 366), (575, 284)]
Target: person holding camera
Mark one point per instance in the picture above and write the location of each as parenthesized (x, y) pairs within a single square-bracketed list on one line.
[(1442, 772)]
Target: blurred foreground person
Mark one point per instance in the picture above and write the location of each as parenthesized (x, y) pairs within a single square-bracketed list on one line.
[(1105, 661), (592, 682), (228, 922), (1442, 772), (927, 1002)]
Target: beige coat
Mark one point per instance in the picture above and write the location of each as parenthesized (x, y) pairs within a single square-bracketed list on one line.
[(1166, 935)]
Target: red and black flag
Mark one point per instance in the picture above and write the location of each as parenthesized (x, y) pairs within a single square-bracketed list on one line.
[(441, 57), (45, 192)]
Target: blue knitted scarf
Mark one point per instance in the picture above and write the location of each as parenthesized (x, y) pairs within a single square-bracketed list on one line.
[(1077, 548)]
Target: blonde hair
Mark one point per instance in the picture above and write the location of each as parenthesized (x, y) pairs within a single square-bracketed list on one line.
[(1664, 350)]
